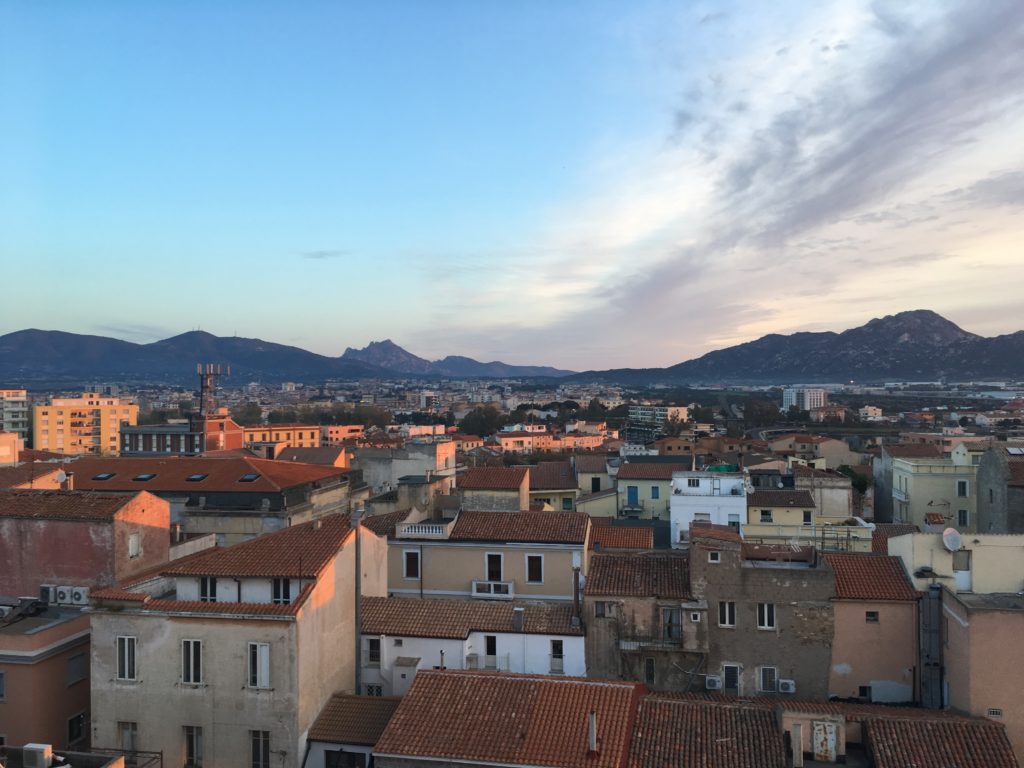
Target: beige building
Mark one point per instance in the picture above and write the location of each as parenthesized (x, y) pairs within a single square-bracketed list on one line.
[(490, 555), (645, 489), (792, 516), (90, 424), (226, 657), (495, 489), (937, 492)]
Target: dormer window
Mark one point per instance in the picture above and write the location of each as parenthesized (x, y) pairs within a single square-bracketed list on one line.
[(249, 477), (282, 591)]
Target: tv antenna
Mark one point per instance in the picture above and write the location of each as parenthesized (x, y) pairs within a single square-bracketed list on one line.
[(209, 376)]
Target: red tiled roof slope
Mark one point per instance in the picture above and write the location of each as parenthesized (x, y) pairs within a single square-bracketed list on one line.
[(348, 719), (652, 471), (511, 720), (781, 498), (715, 532), (455, 619), (870, 577), (621, 537), (895, 743), (552, 476), (492, 479), (384, 525), (12, 477), (646, 574), (61, 505), (885, 531), (532, 527)]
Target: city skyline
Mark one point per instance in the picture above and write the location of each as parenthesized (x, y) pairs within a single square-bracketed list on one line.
[(542, 186)]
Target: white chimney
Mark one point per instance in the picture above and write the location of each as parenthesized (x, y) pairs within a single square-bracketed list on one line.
[(592, 733)]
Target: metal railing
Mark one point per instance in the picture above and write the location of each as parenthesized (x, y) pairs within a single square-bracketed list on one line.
[(135, 758)]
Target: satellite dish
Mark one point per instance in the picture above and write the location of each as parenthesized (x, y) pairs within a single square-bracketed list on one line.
[(951, 539), (62, 476)]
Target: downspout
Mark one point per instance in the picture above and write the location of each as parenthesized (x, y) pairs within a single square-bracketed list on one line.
[(422, 572), (358, 602)]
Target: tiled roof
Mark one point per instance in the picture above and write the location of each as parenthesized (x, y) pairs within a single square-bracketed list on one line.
[(715, 532), (37, 454), (517, 720), (325, 455), (348, 719), (650, 471), (552, 476), (621, 537), (897, 743), (869, 577), (781, 498), (674, 733), (646, 574), (591, 463), (885, 531), (61, 505), (384, 525), (171, 474), (455, 619), (530, 527), (493, 479), (299, 551), (1016, 469), (913, 451), (23, 474), (934, 518)]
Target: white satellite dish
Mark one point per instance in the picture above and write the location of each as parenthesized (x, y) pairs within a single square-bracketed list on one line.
[(62, 476), (951, 539)]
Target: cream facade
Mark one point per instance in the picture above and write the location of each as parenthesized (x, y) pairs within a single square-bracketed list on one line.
[(874, 651), (90, 424), (924, 489), (985, 563)]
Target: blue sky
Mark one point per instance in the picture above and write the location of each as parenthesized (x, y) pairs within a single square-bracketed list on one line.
[(582, 184)]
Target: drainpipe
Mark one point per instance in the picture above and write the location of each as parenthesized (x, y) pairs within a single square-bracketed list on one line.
[(358, 602)]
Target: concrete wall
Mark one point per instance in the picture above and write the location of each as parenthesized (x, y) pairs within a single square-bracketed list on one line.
[(882, 655), (1000, 508), (997, 560), (496, 501)]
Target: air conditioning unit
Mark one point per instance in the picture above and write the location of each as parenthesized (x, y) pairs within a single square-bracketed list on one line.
[(37, 756), (472, 661), (64, 595), (713, 683), (48, 593), (80, 595), (787, 686)]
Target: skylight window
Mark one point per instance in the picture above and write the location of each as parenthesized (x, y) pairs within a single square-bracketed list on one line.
[(196, 477), (249, 477), (103, 476), (144, 477)]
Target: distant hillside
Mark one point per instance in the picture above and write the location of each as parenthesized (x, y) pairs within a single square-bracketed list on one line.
[(387, 354), (915, 345)]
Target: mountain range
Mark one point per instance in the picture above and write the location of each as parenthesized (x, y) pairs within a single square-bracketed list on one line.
[(909, 346)]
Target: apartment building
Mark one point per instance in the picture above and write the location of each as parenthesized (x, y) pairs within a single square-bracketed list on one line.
[(227, 657), (14, 415), (402, 636), (382, 467), (90, 424), (804, 398), (289, 435), (936, 491), (645, 488), (783, 516), (718, 498)]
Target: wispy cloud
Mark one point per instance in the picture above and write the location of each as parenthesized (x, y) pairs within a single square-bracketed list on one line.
[(323, 255)]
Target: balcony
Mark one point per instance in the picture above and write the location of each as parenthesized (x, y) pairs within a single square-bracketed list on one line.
[(493, 662), (899, 495), (493, 590), (556, 665), (424, 530), (641, 642), (633, 508)]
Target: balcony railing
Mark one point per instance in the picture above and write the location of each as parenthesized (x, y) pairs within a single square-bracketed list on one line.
[(899, 495), (493, 590), (424, 530), (640, 642), (557, 665), (497, 662)]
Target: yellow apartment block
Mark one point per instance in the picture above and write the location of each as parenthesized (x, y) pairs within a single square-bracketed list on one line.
[(90, 424)]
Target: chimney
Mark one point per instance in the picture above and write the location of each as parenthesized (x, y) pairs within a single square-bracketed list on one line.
[(518, 616), (69, 482), (592, 733)]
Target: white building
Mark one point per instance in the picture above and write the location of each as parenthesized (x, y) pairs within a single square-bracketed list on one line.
[(657, 414), (402, 635), (803, 399), (227, 656), (869, 413), (14, 412), (706, 497)]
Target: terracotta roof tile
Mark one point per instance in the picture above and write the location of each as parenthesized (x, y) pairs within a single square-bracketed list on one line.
[(172, 473), (509, 719), (674, 733), (652, 471), (384, 525), (869, 577), (885, 531), (646, 574), (531, 527), (23, 474), (299, 551), (552, 476), (348, 719), (622, 537), (781, 498), (591, 463), (715, 532), (897, 743), (493, 478), (61, 505), (455, 619), (1016, 469), (324, 455)]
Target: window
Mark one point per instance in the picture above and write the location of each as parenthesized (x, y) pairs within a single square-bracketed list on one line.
[(143, 477), (695, 617), (714, 556), (493, 566), (962, 518), (766, 615), (864, 692), (557, 657), (195, 478), (128, 736), (192, 661), (76, 669), (411, 564), (208, 589), (374, 690), (259, 665), (535, 569), (991, 496), (961, 488), (671, 624), (134, 545), (595, 484), (103, 476), (734, 521), (193, 746), (3, 687), (490, 651), (76, 728), (260, 748), (655, 492), (766, 515), (373, 652), (567, 504), (649, 671), (693, 482), (731, 677), (767, 679), (281, 591), (808, 517), (995, 712), (727, 614), (600, 610), (871, 617), (398, 642), (249, 477), (126, 658)]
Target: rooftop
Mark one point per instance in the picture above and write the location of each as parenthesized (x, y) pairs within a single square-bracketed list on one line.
[(885, 531), (650, 471), (23, 474), (870, 577), (914, 451), (897, 743), (552, 476), (591, 463), (645, 574), (781, 498), (348, 719), (530, 527), (493, 479), (74, 506), (455, 619), (603, 537)]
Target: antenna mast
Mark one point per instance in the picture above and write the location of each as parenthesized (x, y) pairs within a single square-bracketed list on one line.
[(209, 376)]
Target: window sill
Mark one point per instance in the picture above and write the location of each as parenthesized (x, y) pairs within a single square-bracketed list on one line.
[(766, 629), (181, 684), (257, 689), (126, 681)]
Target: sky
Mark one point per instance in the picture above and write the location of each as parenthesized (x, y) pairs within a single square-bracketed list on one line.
[(583, 184)]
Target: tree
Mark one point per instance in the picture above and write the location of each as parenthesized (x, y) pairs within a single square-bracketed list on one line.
[(702, 414), (674, 426), (247, 415), (857, 480), (760, 413), (482, 420)]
